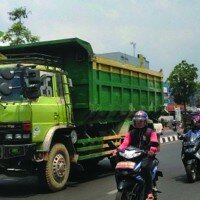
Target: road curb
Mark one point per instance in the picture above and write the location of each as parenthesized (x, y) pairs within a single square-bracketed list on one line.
[(170, 138)]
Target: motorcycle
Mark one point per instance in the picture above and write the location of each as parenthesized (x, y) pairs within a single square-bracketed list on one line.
[(190, 154), (174, 126), (130, 183)]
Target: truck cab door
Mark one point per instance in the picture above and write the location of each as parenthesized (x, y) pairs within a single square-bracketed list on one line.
[(47, 89), (64, 104)]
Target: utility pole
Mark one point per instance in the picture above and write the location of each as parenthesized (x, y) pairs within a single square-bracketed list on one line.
[(134, 45)]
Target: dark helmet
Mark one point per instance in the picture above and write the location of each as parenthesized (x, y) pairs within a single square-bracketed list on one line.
[(140, 115)]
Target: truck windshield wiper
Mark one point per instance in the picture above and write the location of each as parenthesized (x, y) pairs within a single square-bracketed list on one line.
[(2, 104)]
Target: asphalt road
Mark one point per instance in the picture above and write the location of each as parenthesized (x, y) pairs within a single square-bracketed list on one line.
[(100, 184)]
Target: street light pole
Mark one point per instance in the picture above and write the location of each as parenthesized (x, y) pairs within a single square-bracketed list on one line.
[(134, 46)]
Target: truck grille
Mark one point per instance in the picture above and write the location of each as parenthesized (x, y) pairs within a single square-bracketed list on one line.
[(13, 129)]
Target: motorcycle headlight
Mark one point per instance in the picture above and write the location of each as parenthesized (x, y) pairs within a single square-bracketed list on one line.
[(189, 144), (130, 154), (189, 150)]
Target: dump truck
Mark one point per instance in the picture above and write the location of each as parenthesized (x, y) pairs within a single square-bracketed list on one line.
[(61, 105)]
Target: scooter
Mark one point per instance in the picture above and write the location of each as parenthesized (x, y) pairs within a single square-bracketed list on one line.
[(190, 154), (130, 183)]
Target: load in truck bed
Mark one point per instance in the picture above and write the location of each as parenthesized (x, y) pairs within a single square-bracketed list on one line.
[(104, 90)]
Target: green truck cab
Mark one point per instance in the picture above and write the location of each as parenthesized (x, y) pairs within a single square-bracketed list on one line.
[(61, 105)]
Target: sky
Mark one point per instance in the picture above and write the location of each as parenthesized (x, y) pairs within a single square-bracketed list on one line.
[(165, 31)]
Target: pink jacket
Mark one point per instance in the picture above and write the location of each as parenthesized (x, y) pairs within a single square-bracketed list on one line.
[(127, 141)]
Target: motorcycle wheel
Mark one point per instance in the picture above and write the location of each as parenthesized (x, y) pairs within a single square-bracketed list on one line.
[(125, 195), (155, 190), (191, 172), (120, 196)]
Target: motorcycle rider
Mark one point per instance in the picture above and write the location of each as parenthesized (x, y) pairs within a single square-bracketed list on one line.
[(142, 137), (194, 126), (196, 123), (190, 149), (174, 124)]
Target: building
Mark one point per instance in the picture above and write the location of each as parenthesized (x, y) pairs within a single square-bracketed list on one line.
[(139, 61), (168, 100)]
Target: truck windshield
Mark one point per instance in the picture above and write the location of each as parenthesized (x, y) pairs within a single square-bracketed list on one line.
[(16, 84)]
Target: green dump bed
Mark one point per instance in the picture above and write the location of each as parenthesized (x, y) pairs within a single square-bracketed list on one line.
[(103, 90)]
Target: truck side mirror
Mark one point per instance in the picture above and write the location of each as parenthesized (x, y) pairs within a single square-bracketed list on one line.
[(32, 77), (7, 73), (32, 83), (5, 89)]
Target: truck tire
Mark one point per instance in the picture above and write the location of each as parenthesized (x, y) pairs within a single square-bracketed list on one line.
[(55, 172)]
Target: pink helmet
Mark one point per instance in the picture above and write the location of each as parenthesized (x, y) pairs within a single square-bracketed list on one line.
[(196, 120)]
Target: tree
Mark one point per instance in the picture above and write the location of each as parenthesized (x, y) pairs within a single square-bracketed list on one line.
[(198, 95), (1, 33), (18, 33), (183, 82), (198, 85)]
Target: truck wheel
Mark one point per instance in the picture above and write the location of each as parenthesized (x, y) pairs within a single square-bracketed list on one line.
[(55, 172)]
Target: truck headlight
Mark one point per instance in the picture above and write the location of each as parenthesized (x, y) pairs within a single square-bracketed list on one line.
[(18, 136), (26, 136), (9, 136)]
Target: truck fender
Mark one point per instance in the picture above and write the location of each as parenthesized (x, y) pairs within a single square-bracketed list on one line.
[(51, 135), (48, 138)]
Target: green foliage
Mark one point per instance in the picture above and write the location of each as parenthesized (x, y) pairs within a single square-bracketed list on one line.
[(183, 82), (198, 85), (18, 33), (1, 33)]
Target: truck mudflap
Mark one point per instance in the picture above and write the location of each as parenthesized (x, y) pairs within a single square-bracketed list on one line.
[(25, 151)]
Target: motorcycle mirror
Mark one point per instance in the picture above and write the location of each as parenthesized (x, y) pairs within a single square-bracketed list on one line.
[(180, 137)]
